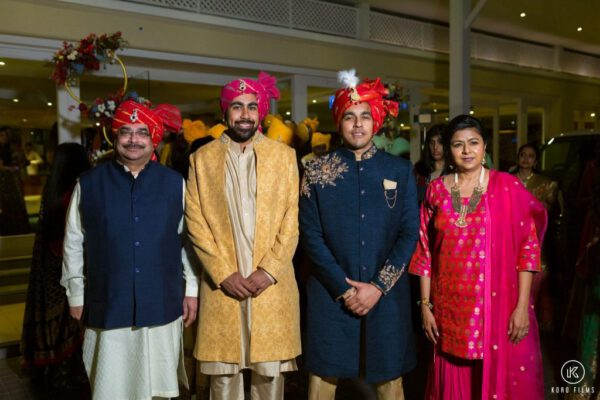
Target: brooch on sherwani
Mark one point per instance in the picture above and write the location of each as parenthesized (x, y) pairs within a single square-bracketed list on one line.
[(323, 171)]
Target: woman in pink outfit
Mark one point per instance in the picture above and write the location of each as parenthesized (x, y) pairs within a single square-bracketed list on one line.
[(478, 249)]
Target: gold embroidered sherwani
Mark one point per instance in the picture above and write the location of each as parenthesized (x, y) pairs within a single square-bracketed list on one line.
[(274, 317)]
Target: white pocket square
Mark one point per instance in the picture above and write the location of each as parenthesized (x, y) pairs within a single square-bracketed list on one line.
[(389, 185)]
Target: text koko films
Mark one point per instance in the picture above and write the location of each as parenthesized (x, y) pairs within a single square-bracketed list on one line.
[(573, 389)]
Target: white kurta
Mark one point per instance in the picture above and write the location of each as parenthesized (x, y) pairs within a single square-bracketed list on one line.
[(125, 363), (240, 192)]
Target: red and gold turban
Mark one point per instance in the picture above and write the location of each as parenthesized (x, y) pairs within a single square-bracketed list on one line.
[(369, 91), (162, 117), (265, 89)]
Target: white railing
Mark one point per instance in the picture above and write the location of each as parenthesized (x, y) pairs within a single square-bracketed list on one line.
[(341, 20), (274, 12), (491, 48), (580, 64), (407, 32), (319, 16), (309, 15)]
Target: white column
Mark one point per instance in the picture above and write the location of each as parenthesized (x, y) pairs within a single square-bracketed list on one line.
[(68, 121), (557, 58), (364, 21), (460, 58), (273, 106), (299, 98), (545, 113), (496, 137), (521, 123), (415, 127)]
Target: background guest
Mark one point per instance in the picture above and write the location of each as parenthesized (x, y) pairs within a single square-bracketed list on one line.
[(432, 163), (545, 190), (51, 339)]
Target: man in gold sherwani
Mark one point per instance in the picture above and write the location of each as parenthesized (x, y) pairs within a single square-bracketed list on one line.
[(242, 217)]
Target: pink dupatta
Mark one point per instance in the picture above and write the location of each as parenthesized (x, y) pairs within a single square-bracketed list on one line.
[(509, 371)]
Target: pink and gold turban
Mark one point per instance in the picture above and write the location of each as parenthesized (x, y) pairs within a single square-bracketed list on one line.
[(265, 89), (162, 117), (369, 91)]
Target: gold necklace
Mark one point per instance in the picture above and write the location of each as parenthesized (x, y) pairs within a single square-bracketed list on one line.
[(464, 209), (524, 180)]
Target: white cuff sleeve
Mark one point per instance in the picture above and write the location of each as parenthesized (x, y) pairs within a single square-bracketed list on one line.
[(73, 259)]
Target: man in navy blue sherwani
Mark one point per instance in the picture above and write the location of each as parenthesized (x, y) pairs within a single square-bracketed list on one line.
[(359, 225)]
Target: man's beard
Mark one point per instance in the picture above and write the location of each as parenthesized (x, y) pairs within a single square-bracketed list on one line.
[(240, 135)]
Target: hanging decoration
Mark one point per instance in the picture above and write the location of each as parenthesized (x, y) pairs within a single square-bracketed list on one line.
[(396, 93), (72, 61)]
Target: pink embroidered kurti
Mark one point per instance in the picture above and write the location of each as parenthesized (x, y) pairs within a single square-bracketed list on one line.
[(474, 285), (455, 260)]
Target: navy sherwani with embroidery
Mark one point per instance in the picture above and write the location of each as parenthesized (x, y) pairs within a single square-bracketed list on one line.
[(354, 225)]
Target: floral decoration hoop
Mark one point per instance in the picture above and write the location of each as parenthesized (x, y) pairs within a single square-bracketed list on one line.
[(106, 136), (112, 56), (123, 90), (72, 61)]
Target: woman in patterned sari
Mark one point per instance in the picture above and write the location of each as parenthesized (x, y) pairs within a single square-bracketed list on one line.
[(545, 190), (479, 244), (51, 339)]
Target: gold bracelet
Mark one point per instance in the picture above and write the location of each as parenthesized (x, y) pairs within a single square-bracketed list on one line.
[(425, 302)]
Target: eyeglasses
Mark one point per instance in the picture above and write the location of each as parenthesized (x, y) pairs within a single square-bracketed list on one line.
[(140, 133)]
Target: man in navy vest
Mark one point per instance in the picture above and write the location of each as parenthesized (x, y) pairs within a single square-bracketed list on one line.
[(359, 225), (125, 225)]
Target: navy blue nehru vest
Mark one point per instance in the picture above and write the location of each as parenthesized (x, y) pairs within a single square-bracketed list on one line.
[(133, 251)]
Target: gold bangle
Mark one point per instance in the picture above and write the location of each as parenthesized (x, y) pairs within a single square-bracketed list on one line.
[(425, 302)]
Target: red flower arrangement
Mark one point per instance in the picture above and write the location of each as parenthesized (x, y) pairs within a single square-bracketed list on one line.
[(71, 62)]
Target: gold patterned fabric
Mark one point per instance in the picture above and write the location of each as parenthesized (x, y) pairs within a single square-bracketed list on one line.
[(275, 329), (544, 189), (240, 192)]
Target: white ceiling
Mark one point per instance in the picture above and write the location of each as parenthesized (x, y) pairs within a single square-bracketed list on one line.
[(552, 22)]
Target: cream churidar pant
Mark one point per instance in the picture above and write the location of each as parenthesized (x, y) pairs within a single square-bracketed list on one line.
[(324, 389)]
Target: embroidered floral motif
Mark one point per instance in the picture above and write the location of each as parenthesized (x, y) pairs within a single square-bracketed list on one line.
[(305, 187), (388, 276), (369, 153), (323, 171)]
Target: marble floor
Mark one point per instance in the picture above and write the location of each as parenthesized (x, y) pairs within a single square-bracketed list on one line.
[(13, 386)]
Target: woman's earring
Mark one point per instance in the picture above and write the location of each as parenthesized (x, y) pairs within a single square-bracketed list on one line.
[(483, 161)]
